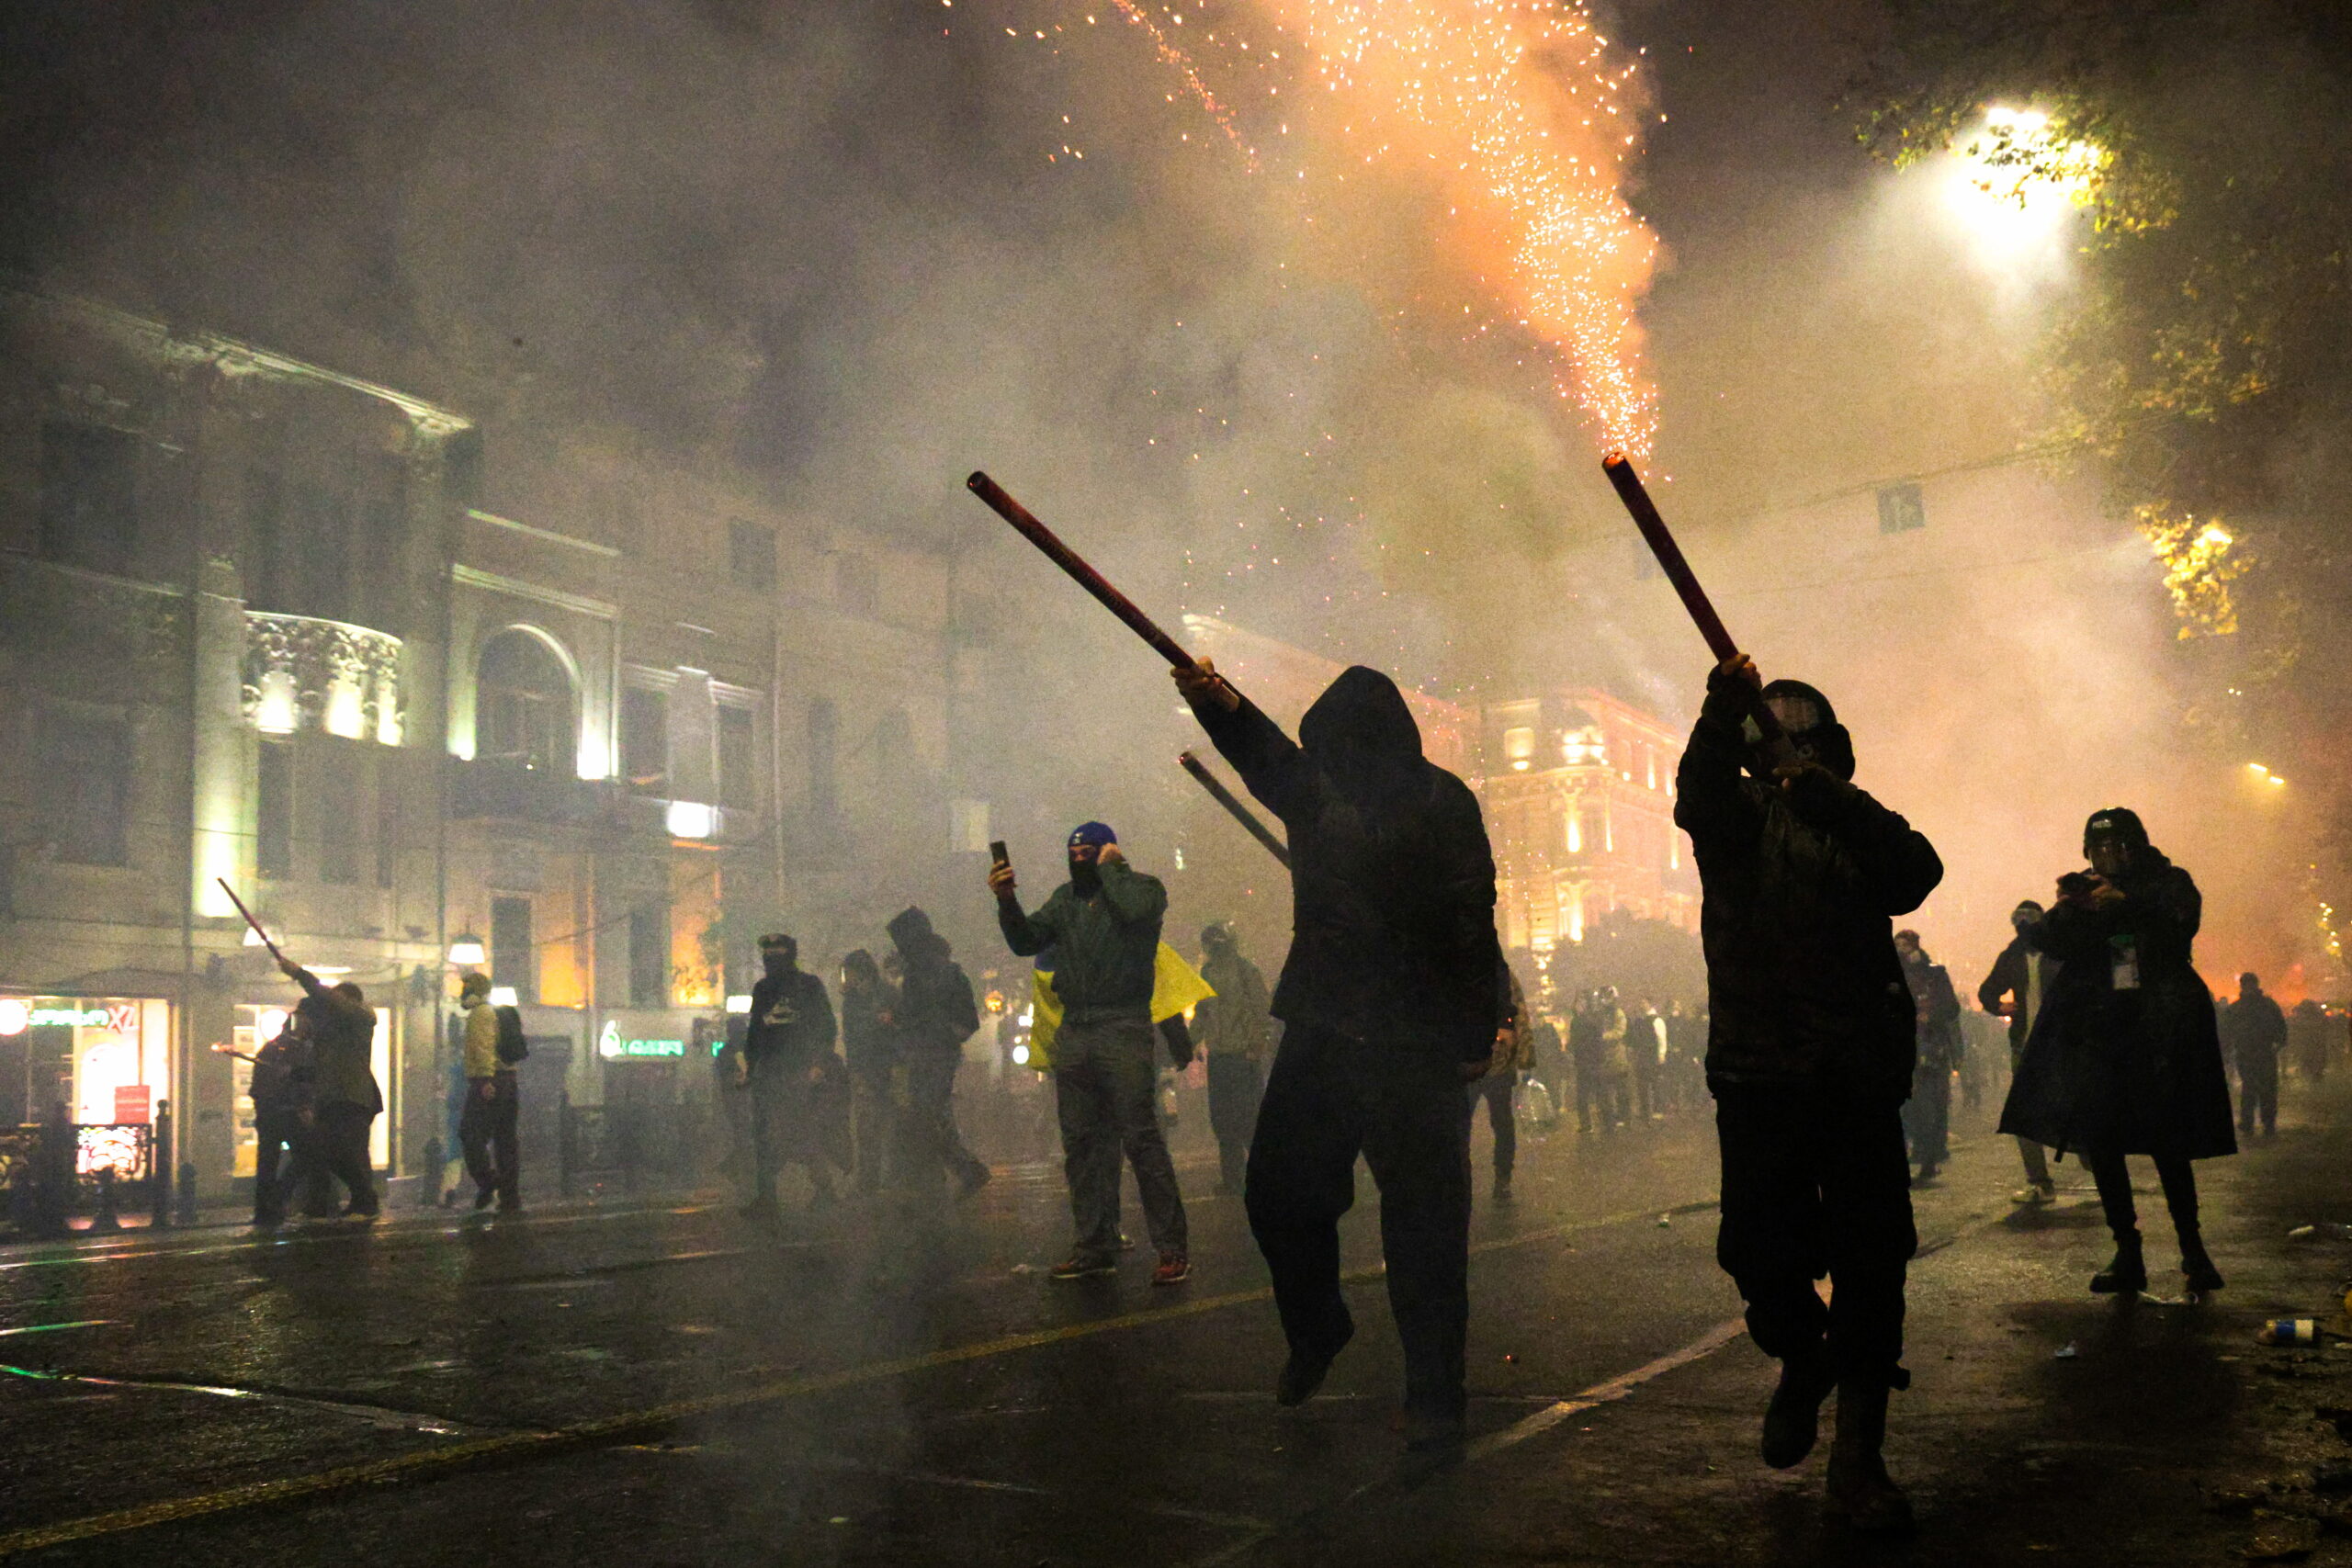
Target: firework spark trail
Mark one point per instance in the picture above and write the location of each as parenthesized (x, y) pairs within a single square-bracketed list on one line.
[(1181, 63), (1516, 103)]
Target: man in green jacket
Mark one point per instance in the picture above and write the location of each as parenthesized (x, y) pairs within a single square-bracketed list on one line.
[(1104, 926), (345, 1098)]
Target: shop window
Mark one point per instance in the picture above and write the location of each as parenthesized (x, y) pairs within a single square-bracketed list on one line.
[(824, 723), (89, 495), (645, 740), (738, 760), (750, 554), (856, 586), (649, 958), (274, 811), (513, 960), (340, 807), (523, 705), (86, 760)]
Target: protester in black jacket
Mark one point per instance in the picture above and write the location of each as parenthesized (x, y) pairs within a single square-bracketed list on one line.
[(936, 1013), (1810, 1052), (1394, 995), (1927, 1116), (870, 1049), (788, 1050), (2253, 1035), (2126, 1058)]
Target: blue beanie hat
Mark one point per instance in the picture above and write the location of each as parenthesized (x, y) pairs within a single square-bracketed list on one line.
[(1094, 833)]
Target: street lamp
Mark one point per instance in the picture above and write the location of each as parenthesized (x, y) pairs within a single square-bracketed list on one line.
[(467, 949)]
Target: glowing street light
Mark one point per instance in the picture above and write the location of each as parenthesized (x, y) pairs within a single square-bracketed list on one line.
[(468, 949)]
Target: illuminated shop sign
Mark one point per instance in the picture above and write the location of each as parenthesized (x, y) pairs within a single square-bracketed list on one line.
[(613, 1046), (18, 1014)]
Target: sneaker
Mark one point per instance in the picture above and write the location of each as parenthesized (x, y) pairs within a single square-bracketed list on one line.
[(2044, 1193), (1126, 1242), (1174, 1270), (1077, 1266)]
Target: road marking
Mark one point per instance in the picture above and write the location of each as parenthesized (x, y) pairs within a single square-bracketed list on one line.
[(509, 1447), (374, 1414), (1616, 1388), (54, 1327)]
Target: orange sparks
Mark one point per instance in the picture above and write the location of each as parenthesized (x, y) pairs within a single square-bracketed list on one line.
[(1181, 63)]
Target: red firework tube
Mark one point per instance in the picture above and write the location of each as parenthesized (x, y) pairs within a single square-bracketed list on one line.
[(1085, 576), (240, 903), (1241, 814), (1660, 540)]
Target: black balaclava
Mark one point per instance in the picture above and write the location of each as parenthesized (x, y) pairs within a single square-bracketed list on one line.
[(1216, 939), (779, 955), (1811, 725), (2116, 822), (1086, 875)]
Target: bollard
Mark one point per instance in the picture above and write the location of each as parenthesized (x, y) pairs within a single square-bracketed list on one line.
[(436, 1162), (106, 1221), (159, 1167), (54, 1179), (188, 1192)]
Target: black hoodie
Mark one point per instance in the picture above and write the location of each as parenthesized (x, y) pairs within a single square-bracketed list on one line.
[(936, 1011), (1392, 880)]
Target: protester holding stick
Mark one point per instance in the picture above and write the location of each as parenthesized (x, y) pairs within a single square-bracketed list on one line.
[(1392, 997), (1811, 1043), (346, 1099)]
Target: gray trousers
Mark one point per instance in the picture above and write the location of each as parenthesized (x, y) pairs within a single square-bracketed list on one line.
[(1104, 1088)]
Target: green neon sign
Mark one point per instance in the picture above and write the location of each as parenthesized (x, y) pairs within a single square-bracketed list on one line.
[(612, 1046)]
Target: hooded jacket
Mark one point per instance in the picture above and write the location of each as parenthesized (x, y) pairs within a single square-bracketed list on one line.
[(1799, 895), (1106, 942), (1392, 879), (343, 1035), (936, 1013), (791, 1024)]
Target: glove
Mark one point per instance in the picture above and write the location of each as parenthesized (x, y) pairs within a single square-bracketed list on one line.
[(1814, 793)]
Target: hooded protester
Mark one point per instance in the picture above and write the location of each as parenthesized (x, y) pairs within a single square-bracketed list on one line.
[(2307, 1038), (1586, 1053), (2015, 990), (1927, 1116), (1394, 997), (870, 1047), (936, 1013), (1812, 1040), (787, 1049), (346, 1100), (2125, 1057), (1236, 1028), (2254, 1033), (1104, 926)]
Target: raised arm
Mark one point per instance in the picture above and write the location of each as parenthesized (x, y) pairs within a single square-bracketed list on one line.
[(1272, 766), (1026, 935), (1712, 802), (1132, 896)]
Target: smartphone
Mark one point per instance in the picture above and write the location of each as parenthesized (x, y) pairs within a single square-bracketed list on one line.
[(998, 853)]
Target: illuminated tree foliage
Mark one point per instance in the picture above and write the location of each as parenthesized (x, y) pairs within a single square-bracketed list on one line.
[(2204, 366)]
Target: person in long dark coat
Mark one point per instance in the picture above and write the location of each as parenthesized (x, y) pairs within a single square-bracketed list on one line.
[(1395, 996), (2125, 1057)]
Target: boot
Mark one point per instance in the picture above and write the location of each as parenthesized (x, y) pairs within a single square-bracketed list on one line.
[(1858, 1487), (1792, 1420), (2128, 1275), (2196, 1263)]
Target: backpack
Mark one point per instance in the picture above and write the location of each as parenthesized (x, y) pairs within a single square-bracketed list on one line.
[(512, 1046)]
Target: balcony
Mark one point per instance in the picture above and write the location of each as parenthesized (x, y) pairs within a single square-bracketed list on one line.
[(505, 789), (301, 673)]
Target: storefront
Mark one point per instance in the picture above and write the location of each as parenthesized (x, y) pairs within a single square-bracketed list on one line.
[(107, 1059), (257, 1022)]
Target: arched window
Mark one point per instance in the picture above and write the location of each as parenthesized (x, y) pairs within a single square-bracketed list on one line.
[(523, 711)]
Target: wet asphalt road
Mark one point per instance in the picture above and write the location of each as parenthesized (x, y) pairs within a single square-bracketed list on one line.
[(662, 1384)]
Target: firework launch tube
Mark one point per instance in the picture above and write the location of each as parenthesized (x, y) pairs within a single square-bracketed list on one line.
[(1660, 540), (1241, 814), (1085, 576), (240, 903)]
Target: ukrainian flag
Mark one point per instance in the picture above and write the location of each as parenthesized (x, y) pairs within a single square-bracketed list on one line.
[(1176, 986)]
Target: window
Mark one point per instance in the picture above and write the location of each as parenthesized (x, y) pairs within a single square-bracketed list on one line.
[(274, 811), (738, 765), (1901, 509), (523, 705), (87, 758), (342, 776), (855, 586), (320, 565), (1518, 747), (513, 961), (649, 958), (750, 554), (89, 495), (823, 724), (645, 740)]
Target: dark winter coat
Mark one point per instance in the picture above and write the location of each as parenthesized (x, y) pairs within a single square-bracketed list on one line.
[(869, 1042), (936, 1010), (792, 1023), (2012, 979), (1936, 1008), (1106, 943), (2254, 1030), (1237, 1020), (343, 1058), (1392, 879), (1797, 917), (2134, 1071)]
